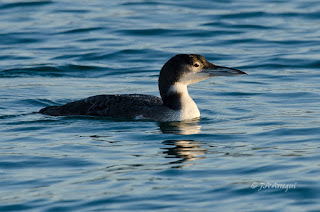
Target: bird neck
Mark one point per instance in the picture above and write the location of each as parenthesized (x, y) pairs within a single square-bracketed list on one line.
[(177, 97)]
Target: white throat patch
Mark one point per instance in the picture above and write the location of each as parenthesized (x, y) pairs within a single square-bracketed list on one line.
[(189, 109)]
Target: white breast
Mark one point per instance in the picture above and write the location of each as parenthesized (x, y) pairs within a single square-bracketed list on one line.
[(189, 109)]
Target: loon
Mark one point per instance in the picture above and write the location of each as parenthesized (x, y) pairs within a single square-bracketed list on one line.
[(175, 103)]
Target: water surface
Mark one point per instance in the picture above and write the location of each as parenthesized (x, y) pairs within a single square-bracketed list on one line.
[(255, 148)]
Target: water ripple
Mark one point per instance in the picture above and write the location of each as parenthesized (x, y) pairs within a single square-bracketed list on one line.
[(259, 129)]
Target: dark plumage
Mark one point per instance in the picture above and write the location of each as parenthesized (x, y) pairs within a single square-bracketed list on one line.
[(119, 106)]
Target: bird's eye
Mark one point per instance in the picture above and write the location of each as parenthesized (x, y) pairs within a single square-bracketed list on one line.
[(196, 65)]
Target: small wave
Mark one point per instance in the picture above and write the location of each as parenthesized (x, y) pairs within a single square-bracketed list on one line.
[(147, 32), (18, 38), (81, 30), (24, 4), (52, 71)]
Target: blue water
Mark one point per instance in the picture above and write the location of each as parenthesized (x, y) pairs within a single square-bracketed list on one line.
[(256, 132)]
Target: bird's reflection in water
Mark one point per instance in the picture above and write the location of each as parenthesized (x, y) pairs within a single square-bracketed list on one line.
[(185, 150), (180, 128)]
